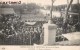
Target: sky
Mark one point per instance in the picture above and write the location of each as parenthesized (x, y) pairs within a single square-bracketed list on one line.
[(44, 2)]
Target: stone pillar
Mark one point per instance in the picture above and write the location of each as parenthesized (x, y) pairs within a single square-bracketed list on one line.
[(49, 34)]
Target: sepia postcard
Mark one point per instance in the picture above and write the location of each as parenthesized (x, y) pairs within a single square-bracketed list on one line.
[(39, 24)]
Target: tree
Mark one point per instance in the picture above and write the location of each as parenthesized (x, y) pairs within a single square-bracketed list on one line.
[(4, 6), (68, 7), (32, 6)]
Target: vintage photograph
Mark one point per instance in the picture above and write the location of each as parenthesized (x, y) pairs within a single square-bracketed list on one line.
[(40, 22)]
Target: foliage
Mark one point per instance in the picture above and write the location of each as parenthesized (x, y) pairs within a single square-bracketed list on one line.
[(32, 6)]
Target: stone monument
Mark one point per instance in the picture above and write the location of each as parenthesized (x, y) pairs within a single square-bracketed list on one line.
[(49, 33)]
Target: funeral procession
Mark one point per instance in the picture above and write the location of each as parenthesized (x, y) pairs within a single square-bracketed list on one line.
[(40, 22)]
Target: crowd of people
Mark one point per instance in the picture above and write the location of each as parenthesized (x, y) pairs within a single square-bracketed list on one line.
[(14, 31)]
